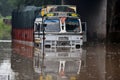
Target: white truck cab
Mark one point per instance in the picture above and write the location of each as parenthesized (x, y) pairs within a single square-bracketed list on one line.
[(63, 28)]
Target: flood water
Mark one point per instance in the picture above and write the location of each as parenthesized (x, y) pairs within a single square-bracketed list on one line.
[(94, 61)]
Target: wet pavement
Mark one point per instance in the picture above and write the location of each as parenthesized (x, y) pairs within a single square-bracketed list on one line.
[(95, 61)]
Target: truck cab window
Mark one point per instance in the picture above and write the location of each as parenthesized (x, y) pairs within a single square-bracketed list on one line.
[(52, 25), (72, 25)]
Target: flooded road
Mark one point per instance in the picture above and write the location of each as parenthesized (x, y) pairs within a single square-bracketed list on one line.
[(95, 61)]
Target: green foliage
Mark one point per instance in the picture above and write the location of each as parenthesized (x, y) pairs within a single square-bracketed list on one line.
[(5, 30)]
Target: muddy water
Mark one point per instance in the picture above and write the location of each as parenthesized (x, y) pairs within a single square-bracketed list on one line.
[(95, 61)]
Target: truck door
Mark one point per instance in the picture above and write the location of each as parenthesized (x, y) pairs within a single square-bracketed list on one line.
[(84, 30)]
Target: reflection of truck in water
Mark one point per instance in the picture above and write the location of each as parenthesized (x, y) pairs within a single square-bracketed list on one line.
[(63, 27), (59, 63)]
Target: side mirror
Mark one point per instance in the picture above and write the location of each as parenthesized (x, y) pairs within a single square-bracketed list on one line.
[(84, 26), (38, 27), (44, 25)]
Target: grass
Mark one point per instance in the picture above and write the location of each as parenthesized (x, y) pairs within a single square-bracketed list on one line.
[(5, 30)]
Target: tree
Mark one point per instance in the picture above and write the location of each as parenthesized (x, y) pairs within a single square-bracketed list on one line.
[(5, 8), (19, 3)]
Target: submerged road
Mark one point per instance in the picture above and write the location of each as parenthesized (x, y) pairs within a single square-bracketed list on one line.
[(95, 61)]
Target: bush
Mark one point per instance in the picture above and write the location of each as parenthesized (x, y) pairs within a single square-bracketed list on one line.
[(5, 30)]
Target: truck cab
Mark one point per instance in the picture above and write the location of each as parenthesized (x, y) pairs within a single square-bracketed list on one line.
[(63, 27)]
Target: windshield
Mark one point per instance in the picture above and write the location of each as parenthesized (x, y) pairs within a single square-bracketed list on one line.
[(53, 25), (72, 25)]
